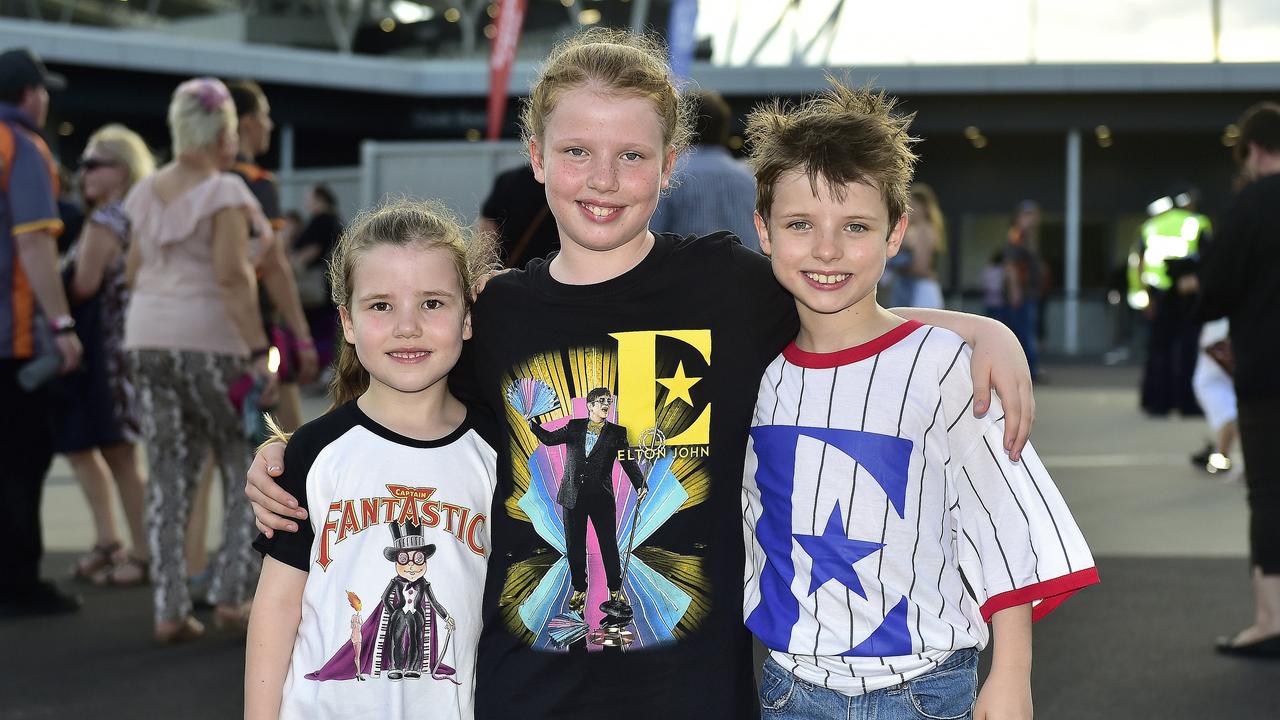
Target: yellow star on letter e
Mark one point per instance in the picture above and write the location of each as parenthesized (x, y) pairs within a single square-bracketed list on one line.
[(678, 386)]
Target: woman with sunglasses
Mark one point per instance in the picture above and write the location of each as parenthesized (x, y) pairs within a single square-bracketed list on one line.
[(97, 419)]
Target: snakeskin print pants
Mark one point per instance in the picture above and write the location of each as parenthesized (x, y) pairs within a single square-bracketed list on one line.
[(185, 412)]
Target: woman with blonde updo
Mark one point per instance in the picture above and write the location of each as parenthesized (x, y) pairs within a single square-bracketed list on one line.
[(197, 347), (624, 335), (98, 422)]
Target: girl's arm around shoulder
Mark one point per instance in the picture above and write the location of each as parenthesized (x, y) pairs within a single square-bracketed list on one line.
[(273, 629), (1006, 694)]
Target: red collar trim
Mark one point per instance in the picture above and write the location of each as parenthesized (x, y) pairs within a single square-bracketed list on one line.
[(848, 356)]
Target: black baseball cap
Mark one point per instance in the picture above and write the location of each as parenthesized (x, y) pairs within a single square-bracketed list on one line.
[(22, 68)]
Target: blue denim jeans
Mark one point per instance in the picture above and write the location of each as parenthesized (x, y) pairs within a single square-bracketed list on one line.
[(946, 693)]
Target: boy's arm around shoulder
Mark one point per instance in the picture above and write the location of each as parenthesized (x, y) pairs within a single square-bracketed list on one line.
[(273, 629)]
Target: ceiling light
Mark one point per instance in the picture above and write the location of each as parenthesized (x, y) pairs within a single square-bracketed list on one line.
[(406, 12)]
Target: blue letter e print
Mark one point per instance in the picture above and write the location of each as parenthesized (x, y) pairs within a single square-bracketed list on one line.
[(886, 459)]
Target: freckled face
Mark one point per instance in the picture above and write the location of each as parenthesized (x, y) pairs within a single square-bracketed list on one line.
[(603, 160)]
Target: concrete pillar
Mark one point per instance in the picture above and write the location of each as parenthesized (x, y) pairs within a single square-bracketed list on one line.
[(1071, 294)]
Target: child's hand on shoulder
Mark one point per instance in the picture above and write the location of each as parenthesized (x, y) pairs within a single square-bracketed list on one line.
[(1004, 697)]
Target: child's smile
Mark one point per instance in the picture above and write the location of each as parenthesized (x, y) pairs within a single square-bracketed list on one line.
[(407, 318)]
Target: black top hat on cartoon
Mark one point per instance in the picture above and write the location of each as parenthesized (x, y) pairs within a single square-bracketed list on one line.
[(407, 536)]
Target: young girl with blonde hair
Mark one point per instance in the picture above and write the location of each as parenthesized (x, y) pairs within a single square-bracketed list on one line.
[(667, 337)]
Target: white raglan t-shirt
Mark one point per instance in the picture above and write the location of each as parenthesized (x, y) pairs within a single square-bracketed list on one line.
[(370, 492)]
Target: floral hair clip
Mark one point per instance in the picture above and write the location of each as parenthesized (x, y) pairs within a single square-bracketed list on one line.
[(211, 93)]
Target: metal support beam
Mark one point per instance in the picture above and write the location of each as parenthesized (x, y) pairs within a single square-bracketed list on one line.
[(343, 29), (468, 24), (1071, 296), (287, 144), (639, 14), (1215, 7), (773, 30)]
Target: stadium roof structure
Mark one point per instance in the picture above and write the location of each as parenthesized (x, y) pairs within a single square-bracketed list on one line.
[(445, 77)]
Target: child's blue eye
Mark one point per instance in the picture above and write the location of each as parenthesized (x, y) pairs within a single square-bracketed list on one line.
[(856, 227), (798, 225), (576, 152), (632, 156)]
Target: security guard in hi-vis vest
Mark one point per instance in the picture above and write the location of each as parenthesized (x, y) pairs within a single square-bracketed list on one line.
[(1163, 268)]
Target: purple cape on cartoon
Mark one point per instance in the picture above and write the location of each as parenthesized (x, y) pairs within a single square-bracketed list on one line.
[(342, 665)]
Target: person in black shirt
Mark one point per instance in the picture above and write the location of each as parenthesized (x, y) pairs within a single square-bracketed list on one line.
[(1238, 280), (311, 251), (517, 211)]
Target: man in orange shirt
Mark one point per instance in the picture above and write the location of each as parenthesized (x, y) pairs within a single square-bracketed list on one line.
[(37, 334)]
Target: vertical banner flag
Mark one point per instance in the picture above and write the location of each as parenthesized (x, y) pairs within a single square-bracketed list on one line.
[(502, 56), (680, 36)]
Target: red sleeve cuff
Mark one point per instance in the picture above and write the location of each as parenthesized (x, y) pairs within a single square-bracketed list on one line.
[(1051, 593)]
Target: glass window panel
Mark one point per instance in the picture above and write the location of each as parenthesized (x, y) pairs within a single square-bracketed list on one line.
[(1250, 31), (1085, 31), (944, 32)]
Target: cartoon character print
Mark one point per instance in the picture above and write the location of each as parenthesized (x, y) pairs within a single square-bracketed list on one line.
[(403, 629)]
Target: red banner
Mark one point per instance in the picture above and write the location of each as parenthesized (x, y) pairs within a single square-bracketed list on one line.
[(510, 22)]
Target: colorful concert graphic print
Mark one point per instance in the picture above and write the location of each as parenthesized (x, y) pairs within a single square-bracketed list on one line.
[(608, 444)]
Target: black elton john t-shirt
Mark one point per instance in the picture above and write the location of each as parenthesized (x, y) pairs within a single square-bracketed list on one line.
[(599, 603)]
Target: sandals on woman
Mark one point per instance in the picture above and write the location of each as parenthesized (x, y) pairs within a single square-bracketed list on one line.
[(100, 558), (232, 618), (132, 572), (185, 630)]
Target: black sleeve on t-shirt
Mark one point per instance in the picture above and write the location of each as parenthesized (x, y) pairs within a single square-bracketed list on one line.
[(295, 548), (769, 308)]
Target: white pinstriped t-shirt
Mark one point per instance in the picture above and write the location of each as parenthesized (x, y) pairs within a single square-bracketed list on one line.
[(884, 524)]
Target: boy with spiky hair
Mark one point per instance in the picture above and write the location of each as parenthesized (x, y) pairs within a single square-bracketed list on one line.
[(884, 525)]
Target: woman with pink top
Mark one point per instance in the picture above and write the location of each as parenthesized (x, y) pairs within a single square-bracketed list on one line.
[(195, 338)]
